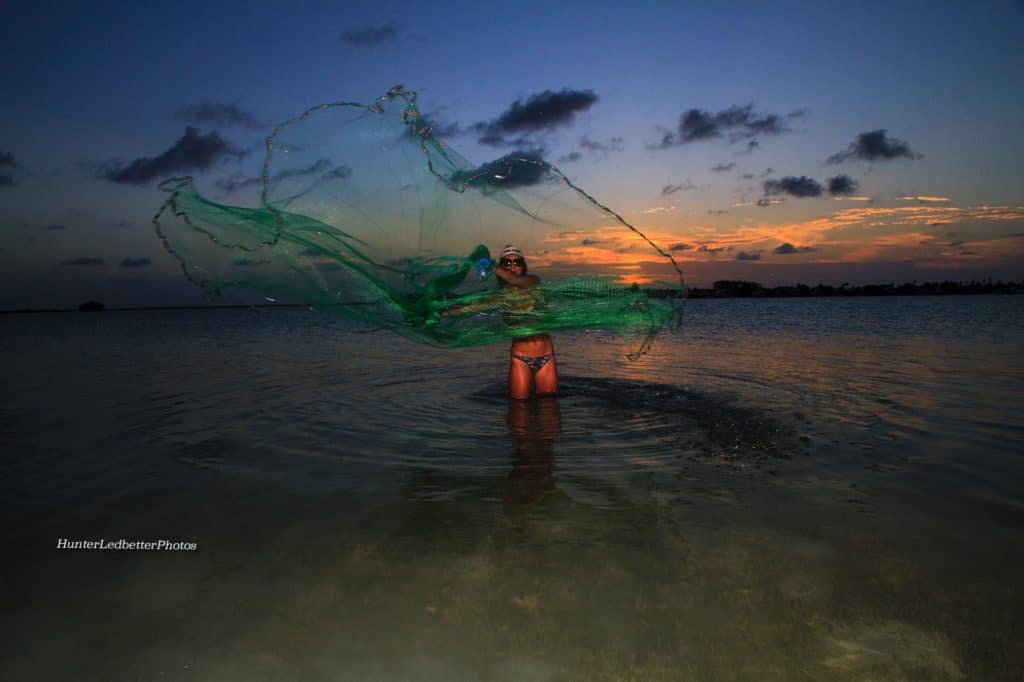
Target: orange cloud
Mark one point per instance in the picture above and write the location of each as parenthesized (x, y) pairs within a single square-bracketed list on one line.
[(923, 198), (855, 234)]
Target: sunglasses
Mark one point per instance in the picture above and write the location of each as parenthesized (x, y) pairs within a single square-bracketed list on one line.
[(509, 262)]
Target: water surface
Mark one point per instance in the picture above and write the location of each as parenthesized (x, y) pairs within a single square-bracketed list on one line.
[(797, 489)]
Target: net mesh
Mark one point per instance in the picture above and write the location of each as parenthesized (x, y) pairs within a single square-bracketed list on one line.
[(365, 212)]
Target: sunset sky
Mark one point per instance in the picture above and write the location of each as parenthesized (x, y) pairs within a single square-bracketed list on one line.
[(776, 142)]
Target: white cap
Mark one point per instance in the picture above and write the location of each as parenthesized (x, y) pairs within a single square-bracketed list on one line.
[(510, 250)]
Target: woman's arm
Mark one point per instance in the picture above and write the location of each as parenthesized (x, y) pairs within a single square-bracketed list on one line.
[(503, 297), (518, 281), (484, 303)]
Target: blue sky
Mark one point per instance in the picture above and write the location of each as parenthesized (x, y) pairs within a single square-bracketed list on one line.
[(918, 105)]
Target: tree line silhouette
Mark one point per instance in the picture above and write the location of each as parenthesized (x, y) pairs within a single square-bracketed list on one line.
[(731, 288)]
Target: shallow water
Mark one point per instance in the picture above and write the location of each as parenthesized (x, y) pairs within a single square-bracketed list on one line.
[(799, 489)]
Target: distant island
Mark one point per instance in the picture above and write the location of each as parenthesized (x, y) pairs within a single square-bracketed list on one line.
[(729, 288), (723, 288)]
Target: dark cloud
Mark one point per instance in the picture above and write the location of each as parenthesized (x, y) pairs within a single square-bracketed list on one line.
[(723, 167), (743, 255), (230, 185), (219, 113), (498, 140), (84, 261), (136, 262), (682, 187), (192, 151), (492, 139), (738, 122), (518, 169), (717, 211), (680, 247), (374, 35), (341, 171), (751, 147), (7, 161), (545, 110), (803, 187), (787, 248), (571, 157), (541, 112), (590, 242), (704, 248), (442, 130), (318, 166), (874, 146), (614, 145), (796, 187), (842, 185), (697, 125)]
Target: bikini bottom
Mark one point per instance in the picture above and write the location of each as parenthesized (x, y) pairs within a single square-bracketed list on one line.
[(535, 364)]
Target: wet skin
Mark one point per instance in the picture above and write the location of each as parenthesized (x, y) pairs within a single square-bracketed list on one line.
[(520, 377)]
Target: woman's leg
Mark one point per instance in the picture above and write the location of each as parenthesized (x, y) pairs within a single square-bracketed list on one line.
[(547, 378), (520, 376)]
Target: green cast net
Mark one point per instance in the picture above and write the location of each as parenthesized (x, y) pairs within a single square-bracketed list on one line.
[(364, 212)]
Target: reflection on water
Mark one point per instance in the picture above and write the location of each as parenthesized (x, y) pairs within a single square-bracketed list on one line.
[(786, 493), (534, 425)]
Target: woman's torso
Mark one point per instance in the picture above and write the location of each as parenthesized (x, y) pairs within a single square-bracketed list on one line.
[(533, 346), (523, 307)]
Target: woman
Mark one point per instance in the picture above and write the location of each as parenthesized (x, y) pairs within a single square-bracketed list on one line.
[(533, 356)]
